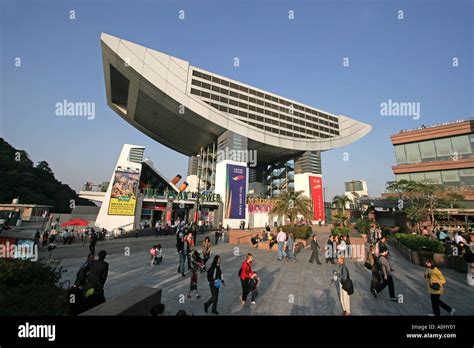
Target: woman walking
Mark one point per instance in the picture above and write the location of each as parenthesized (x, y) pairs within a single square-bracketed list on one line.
[(435, 281), (215, 278), (206, 249), (245, 275), (374, 269)]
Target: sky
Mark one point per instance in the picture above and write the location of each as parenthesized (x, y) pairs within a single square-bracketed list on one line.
[(404, 51)]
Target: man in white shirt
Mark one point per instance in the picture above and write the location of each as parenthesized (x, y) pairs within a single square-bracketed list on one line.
[(458, 238), (281, 239)]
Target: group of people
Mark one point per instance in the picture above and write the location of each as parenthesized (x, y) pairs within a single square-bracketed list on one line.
[(88, 289)]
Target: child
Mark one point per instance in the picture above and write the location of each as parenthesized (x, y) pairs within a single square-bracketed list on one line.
[(194, 284), (152, 255), (253, 286), (158, 254)]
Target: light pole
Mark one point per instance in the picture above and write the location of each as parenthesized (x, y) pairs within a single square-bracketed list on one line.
[(197, 215)]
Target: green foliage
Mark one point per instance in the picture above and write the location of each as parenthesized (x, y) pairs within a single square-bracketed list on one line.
[(20, 178), (30, 288), (341, 201), (299, 231), (363, 226), (340, 231), (416, 242), (292, 204)]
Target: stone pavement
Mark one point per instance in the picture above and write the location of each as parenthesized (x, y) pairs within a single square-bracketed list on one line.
[(286, 288)]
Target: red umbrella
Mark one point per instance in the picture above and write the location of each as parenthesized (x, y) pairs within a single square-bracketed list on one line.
[(75, 222)]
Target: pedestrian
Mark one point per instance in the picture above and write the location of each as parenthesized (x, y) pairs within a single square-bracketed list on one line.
[(206, 249), (158, 254), (381, 246), (245, 274), (181, 253), (217, 235), (345, 285), (45, 239), (215, 279), (255, 240), (194, 284), (329, 252), (93, 242), (371, 264), (83, 271), (98, 272), (253, 285), (341, 248), (153, 255), (271, 240), (291, 248), (386, 277), (314, 250), (189, 247), (281, 239), (435, 281)]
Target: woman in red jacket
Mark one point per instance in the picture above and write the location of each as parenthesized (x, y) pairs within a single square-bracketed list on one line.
[(245, 275)]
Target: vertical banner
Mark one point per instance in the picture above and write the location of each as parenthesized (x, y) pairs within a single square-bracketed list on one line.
[(236, 192), (316, 188), (123, 197)]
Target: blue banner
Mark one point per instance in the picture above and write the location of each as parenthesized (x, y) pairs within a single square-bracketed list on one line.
[(236, 192)]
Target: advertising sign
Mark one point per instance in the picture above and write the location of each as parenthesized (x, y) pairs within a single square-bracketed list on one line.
[(316, 189), (236, 192), (123, 197)]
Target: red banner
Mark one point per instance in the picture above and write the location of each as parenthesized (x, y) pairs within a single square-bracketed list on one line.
[(316, 187)]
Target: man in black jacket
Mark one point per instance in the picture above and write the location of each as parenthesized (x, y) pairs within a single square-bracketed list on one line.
[(99, 270), (315, 250)]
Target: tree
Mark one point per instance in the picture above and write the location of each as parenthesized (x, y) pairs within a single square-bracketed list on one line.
[(43, 165), (422, 199), (292, 204), (340, 203)]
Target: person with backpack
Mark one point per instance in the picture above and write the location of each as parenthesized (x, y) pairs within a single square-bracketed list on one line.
[(435, 281), (345, 285), (182, 253), (386, 277), (371, 264), (245, 274), (215, 279)]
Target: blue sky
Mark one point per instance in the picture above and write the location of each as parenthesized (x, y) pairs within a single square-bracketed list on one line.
[(407, 60)]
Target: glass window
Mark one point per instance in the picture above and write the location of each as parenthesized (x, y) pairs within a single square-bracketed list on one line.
[(400, 154), (427, 149), (434, 177), (443, 147), (461, 144), (417, 176), (413, 153), (450, 176), (466, 172)]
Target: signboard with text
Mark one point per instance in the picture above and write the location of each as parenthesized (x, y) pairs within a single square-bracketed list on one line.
[(316, 189), (123, 197), (236, 192)]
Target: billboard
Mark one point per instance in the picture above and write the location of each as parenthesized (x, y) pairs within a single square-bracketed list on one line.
[(316, 189), (236, 192), (123, 197)]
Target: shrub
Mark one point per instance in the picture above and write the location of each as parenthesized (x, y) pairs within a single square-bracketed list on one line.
[(340, 231), (30, 288), (299, 231), (363, 226), (417, 242)]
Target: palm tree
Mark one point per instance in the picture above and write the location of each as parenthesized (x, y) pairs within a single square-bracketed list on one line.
[(292, 204), (340, 202)]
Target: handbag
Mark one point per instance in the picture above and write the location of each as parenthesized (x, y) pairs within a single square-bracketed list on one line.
[(218, 283), (348, 286), (368, 265), (435, 286)]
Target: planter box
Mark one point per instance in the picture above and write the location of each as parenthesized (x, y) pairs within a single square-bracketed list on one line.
[(415, 257), (441, 260)]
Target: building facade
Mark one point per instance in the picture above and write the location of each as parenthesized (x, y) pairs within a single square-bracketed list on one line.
[(239, 139)]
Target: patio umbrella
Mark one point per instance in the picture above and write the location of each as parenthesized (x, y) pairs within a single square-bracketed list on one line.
[(75, 222)]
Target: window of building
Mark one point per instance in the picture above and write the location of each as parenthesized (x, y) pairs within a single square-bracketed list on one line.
[(402, 177), (450, 175), (434, 177), (417, 176), (206, 85), (461, 145), (412, 153), (427, 149), (443, 147), (205, 95)]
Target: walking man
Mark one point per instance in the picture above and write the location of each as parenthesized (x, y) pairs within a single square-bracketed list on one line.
[(93, 242), (314, 250), (281, 239), (182, 253), (435, 281), (387, 279)]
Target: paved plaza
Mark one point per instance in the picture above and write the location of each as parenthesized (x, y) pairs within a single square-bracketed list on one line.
[(286, 288)]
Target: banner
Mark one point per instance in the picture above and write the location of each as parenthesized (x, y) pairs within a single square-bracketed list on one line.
[(123, 197), (236, 192), (316, 188)]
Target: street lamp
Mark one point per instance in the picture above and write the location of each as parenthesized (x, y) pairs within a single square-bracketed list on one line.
[(197, 209)]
